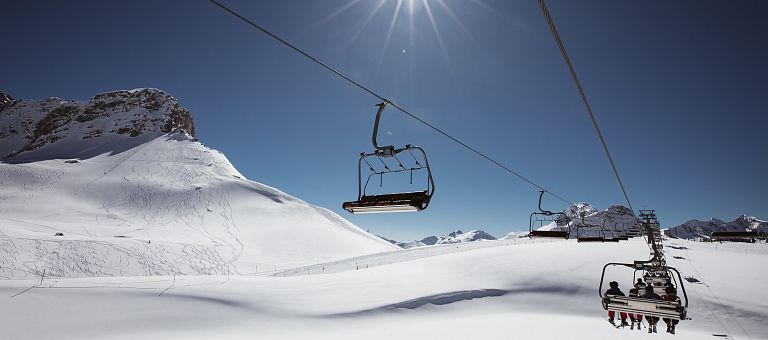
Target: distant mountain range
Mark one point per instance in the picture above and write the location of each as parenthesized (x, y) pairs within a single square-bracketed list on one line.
[(613, 220), (695, 229), (457, 236)]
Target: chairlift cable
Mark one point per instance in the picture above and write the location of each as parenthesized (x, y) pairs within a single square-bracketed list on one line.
[(382, 98), (576, 81)]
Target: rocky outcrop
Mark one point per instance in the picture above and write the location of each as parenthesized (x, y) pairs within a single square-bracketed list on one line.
[(5, 100), (30, 125)]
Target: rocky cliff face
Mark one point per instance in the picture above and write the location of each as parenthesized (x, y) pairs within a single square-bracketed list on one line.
[(61, 126), (575, 212)]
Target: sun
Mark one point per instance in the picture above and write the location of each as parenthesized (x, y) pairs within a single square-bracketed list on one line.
[(437, 13)]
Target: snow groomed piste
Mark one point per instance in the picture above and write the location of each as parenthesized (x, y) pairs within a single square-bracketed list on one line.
[(529, 289)]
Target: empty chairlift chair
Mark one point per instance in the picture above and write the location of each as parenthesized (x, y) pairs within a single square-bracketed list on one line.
[(545, 216), (385, 156)]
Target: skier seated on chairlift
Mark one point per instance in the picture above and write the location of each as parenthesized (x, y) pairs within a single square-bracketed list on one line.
[(614, 290), (639, 285), (635, 318), (652, 320), (671, 295)]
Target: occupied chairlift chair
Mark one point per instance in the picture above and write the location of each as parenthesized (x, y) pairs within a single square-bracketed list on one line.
[(392, 202), (545, 216), (643, 306)]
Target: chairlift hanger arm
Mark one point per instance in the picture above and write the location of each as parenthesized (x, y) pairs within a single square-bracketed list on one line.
[(384, 150), (545, 212)]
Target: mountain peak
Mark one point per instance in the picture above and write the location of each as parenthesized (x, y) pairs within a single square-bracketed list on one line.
[(56, 128)]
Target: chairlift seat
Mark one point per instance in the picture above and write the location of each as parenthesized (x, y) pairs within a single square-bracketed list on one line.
[(736, 236), (397, 202), (590, 239), (548, 233), (643, 306)]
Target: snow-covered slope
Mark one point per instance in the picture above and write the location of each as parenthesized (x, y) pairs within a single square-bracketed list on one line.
[(514, 235), (520, 290), (695, 229), (152, 201)]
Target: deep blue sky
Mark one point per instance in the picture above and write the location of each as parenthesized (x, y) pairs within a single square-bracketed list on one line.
[(680, 89)]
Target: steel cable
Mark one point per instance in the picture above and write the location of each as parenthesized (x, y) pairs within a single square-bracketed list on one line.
[(583, 97), (382, 98)]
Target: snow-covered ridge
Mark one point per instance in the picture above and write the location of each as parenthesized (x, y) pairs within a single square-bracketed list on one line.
[(157, 203), (111, 121), (457, 236), (697, 229)]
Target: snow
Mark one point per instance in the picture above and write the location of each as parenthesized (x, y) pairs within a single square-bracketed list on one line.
[(161, 237), (531, 290), (514, 235), (169, 205)]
